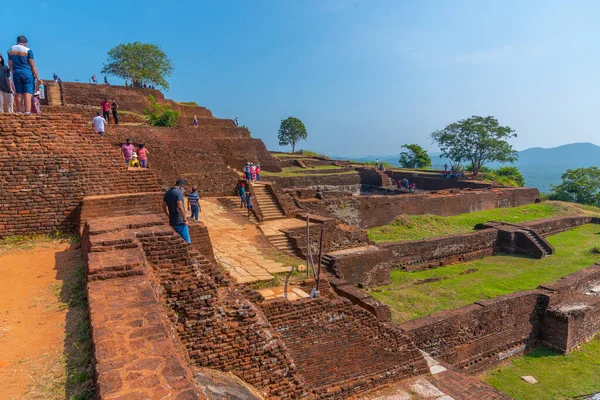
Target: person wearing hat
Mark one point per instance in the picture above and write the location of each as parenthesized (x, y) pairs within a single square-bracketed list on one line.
[(24, 72), (35, 103), (174, 209), (247, 171)]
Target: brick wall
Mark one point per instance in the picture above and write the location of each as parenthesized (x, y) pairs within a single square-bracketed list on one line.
[(237, 152), (219, 327), (478, 336), (341, 349), (48, 163), (129, 98), (551, 226), (316, 180), (181, 152), (432, 253), (337, 236), (371, 211), (436, 183)]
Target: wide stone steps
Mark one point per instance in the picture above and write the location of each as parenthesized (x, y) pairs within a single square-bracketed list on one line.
[(234, 203)]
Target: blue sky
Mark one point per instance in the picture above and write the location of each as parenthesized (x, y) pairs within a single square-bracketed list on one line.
[(364, 76)]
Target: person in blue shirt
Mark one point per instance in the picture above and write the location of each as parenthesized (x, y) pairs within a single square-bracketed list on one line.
[(24, 72), (173, 208), (193, 203)]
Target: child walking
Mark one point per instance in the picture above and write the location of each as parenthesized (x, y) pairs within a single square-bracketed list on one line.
[(193, 205), (249, 203)]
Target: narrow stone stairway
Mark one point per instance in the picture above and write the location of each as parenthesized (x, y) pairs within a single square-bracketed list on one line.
[(548, 250), (282, 242), (267, 203)]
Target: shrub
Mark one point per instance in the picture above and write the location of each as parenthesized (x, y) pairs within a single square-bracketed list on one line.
[(160, 114)]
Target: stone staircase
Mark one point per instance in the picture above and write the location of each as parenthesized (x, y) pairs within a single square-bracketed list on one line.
[(542, 243), (267, 203), (282, 242), (385, 179), (233, 202)]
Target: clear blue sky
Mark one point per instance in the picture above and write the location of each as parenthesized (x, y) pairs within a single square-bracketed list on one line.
[(364, 76)]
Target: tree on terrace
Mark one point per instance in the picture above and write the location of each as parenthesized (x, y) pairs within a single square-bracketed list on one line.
[(291, 131), (477, 140), (140, 63), (581, 185), (415, 157)]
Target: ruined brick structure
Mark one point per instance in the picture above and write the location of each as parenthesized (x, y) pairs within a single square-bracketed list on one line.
[(48, 164), (371, 211)]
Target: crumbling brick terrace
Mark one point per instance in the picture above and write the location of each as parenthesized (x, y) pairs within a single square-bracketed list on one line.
[(161, 311)]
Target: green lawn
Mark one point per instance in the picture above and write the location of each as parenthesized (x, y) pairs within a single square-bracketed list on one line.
[(492, 276), (559, 377), (413, 227)]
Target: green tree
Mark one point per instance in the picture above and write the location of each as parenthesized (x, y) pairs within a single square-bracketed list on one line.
[(477, 140), (581, 185), (291, 131), (511, 173), (140, 63), (160, 114), (415, 157)]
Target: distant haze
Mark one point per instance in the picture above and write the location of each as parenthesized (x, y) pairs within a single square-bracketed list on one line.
[(540, 167)]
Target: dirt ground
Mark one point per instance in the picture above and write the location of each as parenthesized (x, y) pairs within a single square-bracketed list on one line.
[(33, 319)]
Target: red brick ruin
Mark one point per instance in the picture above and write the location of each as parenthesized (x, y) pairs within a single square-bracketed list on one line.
[(169, 322)]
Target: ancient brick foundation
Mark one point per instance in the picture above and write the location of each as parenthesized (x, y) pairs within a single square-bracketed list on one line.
[(341, 349), (48, 164), (372, 211), (476, 337)]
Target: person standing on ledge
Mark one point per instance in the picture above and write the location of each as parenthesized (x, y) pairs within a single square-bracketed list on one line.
[(195, 121), (24, 72), (113, 107), (94, 81), (174, 209), (105, 105), (7, 88)]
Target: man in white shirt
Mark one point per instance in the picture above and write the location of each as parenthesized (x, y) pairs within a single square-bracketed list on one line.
[(98, 123)]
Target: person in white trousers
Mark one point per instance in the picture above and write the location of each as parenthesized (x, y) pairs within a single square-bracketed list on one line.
[(7, 88)]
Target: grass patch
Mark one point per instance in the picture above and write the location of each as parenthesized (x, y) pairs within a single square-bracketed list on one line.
[(27, 242), (559, 377), (416, 227), (297, 171), (188, 103), (71, 376), (486, 278)]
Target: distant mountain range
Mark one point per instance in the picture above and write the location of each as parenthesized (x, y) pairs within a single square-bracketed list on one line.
[(540, 167)]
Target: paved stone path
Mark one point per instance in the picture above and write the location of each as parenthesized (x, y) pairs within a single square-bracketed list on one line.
[(240, 247)]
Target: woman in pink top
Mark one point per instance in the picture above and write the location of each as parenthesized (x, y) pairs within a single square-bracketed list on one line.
[(253, 172), (143, 155)]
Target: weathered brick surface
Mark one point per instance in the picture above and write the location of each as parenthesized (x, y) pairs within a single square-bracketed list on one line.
[(48, 163), (551, 226), (432, 253), (428, 182), (218, 326), (477, 336), (181, 152), (135, 355), (236, 152), (129, 99), (342, 349), (371, 211)]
